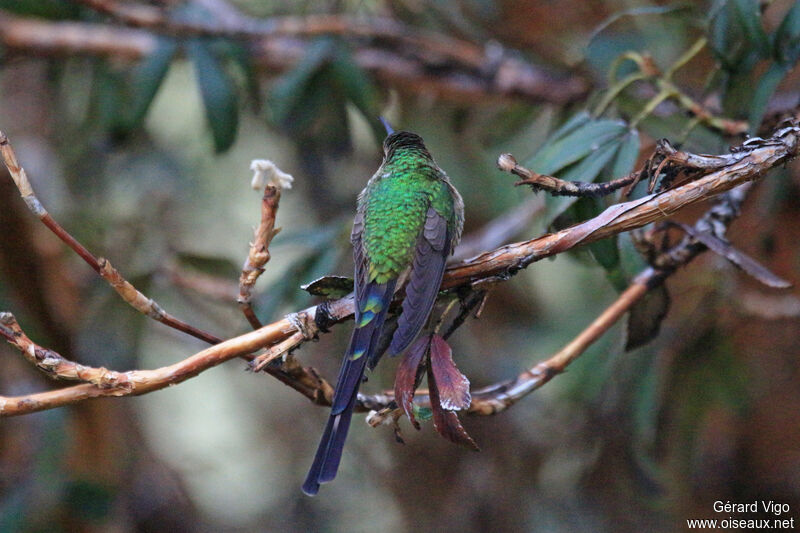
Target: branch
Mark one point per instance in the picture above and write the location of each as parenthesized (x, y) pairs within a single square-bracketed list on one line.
[(395, 54), (559, 187), (134, 382), (746, 163)]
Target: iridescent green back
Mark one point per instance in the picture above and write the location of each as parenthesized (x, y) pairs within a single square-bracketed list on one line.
[(395, 205)]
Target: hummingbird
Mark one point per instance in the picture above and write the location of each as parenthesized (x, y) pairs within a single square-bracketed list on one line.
[(409, 219)]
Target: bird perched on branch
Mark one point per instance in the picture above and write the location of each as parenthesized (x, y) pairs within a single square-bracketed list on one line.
[(408, 221)]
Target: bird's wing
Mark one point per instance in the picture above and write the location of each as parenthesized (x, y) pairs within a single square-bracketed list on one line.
[(359, 258), (430, 256)]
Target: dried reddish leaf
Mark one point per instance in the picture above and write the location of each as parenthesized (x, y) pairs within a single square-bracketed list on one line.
[(407, 377), (446, 422), (644, 318), (738, 258), (453, 386)]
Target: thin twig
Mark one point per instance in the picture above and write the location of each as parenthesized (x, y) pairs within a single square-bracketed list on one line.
[(559, 187)]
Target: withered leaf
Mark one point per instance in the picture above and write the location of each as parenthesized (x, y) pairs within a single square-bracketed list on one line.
[(738, 258), (453, 386), (446, 422), (645, 316), (408, 375)]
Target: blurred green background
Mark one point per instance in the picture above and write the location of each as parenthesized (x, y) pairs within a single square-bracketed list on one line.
[(144, 158)]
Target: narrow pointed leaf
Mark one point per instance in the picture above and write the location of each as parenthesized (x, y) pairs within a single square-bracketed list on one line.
[(645, 317), (764, 90), (218, 90), (748, 14), (453, 386), (738, 258), (787, 37), (627, 155), (408, 376), (587, 171), (146, 79), (356, 85), (576, 145), (574, 122)]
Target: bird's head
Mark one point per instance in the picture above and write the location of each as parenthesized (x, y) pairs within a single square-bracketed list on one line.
[(402, 140)]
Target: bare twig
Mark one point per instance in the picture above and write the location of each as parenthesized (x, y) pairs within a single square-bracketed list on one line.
[(52, 363), (268, 176), (747, 163), (259, 253), (559, 187)]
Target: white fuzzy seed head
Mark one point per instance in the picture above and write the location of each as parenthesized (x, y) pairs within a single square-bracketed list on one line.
[(266, 172)]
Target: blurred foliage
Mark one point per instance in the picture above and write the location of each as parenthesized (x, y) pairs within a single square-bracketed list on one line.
[(138, 159)]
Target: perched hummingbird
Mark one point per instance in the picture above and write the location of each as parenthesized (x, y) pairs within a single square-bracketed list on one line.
[(408, 221)]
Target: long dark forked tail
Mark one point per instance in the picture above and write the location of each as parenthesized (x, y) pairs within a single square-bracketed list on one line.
[(369, 322)]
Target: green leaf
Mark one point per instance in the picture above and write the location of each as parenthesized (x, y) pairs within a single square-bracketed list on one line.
[(48, 9), (357, 87), (605, 251), (764, 91), (787, 37), (219, 94), (631, 260), (145, 80), (106, 104), (627, 156), (719, 31), (575, 122), (241, 57), (290, 91), (748, 14), (587, 171), (576, 145)]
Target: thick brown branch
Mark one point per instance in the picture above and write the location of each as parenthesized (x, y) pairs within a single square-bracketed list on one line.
[(137, 382)]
